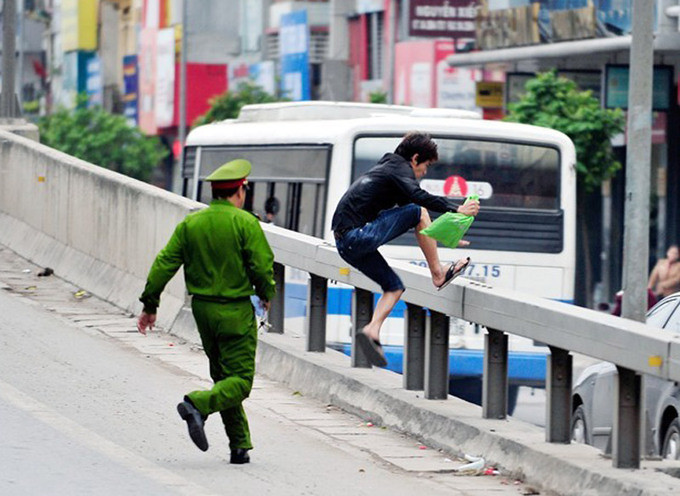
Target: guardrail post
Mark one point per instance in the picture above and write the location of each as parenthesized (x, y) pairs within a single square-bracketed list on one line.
[(414, 348), (627, 415), (437, 357), (495, 378), (362, 312), (558, 389), (276, 313), (316, 313)]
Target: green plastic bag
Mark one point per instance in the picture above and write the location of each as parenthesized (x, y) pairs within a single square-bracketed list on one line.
[(450, 227)]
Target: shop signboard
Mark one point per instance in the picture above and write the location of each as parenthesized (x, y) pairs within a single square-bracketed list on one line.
[(442, 18), (79, 24), (130, 89), (616, 86), (489, 94)]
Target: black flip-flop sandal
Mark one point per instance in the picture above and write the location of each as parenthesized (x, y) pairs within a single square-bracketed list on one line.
[(372, 349), (452, 273)]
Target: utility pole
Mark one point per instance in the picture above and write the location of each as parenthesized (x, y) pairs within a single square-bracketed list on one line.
[(392, 42), (626, 445), (182, 125), (7, 99), (638, 158)]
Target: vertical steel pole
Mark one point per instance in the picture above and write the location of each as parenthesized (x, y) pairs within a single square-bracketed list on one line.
[(362, 313), (9, 13), (626, 444), (558, 406), (276, 313), (414, 348), (392, 45), (182, 125), (316, 313), (437, 357), (638, 156), (495, 378)]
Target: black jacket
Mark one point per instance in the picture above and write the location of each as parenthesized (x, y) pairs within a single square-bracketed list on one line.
[(389, 183)]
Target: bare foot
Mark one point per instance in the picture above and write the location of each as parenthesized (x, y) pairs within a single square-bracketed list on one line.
[(373, 334)]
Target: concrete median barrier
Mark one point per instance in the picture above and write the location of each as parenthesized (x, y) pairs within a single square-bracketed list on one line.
[(94, 227)]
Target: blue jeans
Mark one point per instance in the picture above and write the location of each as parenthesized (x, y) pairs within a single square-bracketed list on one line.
[(359, 246)]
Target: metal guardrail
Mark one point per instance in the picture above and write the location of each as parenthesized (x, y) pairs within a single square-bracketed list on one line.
[(633, 347)]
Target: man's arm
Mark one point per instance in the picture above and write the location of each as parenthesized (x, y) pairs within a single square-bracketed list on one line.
[(167, 263), (259, 262), (410, 187)]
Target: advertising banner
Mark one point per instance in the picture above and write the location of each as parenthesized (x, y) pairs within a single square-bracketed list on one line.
[(294, 52), (165, 77), (130, 89), (264, 75), (93, 83), (455, 86), (442, 18), (79, 24), (147, 81), (424, 79)]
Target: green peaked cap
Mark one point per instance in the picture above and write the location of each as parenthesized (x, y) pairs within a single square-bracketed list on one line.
[(231, 171)]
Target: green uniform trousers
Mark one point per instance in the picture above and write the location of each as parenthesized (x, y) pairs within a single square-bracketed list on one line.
[(229, 336)]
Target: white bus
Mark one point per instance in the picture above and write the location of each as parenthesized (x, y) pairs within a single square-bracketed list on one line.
[(306, 154)]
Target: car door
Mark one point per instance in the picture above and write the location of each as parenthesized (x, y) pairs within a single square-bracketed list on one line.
[(660, 393)]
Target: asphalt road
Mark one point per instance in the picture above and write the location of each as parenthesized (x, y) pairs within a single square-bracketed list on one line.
[(86, 412)]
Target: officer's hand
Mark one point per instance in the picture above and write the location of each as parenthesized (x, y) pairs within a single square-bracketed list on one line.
[(145, 320), (471, 207)]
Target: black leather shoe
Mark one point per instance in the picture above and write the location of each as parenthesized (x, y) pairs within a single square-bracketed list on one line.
[(239, 456), (195, 423)]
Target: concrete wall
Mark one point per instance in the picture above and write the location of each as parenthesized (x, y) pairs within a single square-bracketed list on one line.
[(96, 228)]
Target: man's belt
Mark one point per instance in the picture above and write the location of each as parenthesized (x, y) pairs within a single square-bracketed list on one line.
[(220, 299)]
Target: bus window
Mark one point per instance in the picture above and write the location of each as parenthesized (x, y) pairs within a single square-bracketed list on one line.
[(294, 175), (518, 185)]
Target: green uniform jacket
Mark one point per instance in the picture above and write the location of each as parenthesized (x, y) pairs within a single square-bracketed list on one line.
[(224, 252)]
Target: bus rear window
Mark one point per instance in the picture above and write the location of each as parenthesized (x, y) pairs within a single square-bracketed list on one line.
[(503, 174), (518, 185)]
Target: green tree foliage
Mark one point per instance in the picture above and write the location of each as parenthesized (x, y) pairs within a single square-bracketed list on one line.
[(377, 96), (102, 138), (557, 103), (228, 105)]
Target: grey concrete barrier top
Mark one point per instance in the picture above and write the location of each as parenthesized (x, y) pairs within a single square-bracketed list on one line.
[(627, 343)]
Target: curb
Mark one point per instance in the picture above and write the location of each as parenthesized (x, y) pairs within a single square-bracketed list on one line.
[(456, 426)]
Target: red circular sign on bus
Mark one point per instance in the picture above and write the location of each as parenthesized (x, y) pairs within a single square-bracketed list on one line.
[(455, 186)]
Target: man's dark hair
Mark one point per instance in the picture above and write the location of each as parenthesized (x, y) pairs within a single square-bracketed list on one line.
[(420, 143), (223, 194)]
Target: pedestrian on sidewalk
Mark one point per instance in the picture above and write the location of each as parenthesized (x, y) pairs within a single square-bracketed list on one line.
[(665, 277), (381, 205), (226, 259)]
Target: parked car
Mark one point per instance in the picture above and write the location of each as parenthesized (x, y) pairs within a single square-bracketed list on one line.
[(593, 398)]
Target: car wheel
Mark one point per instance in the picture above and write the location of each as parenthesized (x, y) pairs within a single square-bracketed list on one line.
[(579, 430), (671, 442)]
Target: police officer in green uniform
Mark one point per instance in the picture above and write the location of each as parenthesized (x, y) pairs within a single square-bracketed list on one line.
[(226, 259)]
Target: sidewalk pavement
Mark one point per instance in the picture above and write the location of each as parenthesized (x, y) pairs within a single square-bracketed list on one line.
[(450, 428)]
